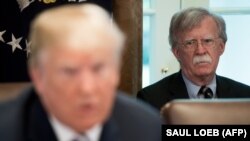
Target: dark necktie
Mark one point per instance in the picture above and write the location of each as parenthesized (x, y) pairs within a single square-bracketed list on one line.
[(206, 92)]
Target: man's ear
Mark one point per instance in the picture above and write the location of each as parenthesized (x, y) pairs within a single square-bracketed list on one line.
[(36, 77), (176, 52), (222, 46), (117, 74)]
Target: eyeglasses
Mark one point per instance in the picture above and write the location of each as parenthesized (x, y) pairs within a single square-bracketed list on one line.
[(193, 43)]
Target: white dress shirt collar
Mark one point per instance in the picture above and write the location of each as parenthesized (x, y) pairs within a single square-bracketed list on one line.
[(65, 133), (194, 89)]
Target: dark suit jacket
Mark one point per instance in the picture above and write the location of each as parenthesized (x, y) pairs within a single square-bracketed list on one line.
[(24, 119), (173, 87)]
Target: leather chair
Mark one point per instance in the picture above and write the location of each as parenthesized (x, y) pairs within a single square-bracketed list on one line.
[(216, 111)]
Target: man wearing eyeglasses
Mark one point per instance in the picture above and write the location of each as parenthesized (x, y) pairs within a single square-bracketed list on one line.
[(198, 39)]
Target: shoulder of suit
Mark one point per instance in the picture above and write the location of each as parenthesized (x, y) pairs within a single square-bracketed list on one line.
[(231, 82), (136, 120), (163, 83), (130, 106), (242, 90), (12, 115), (23, 96), (16, 102)]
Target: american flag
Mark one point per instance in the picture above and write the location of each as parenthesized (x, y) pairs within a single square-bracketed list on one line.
[(15, 18)]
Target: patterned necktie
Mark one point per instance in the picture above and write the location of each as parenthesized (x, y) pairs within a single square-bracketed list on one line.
[(206, 92)]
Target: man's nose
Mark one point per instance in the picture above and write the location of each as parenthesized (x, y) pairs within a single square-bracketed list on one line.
[(200, 49), (87, 83)]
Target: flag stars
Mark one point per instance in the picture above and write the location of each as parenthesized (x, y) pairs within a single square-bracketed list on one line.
[(24, 4), (15, 43), (1, 35), (28, 46)]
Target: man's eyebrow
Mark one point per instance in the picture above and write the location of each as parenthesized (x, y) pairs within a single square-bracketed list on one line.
[(63, 62), (209, 36), (67, 65), (204, 37)]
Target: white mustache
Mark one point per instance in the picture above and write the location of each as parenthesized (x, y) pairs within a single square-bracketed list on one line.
[(202, 59)]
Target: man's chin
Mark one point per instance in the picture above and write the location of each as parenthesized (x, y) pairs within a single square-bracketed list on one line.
[(204, 73), (86, 124)]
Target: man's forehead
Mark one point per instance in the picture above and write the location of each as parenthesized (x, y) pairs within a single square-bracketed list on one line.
[(81, 51), (74, 55), (196, 30)]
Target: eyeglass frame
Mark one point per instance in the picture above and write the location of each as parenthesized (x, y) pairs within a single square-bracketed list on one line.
[(195, 43)]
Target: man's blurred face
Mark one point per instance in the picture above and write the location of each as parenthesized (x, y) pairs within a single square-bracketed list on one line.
[(199, 50), (77, 85)]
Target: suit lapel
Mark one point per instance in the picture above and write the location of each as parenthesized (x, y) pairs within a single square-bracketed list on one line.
[(39, 128), (222, 88), (110, 131), (178, 88)]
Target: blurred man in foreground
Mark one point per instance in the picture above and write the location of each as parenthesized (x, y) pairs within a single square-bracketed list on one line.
[(198, 39), (74, 66)]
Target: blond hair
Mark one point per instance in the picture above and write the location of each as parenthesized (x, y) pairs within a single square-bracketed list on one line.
[(77, 23)]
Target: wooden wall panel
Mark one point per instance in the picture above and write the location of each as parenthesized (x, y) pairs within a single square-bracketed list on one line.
[(128, 15)]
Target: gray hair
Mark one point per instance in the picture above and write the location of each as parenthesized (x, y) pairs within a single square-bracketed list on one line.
[(187, 19)]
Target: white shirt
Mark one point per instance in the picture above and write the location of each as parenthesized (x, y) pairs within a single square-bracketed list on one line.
[(65, 133)]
